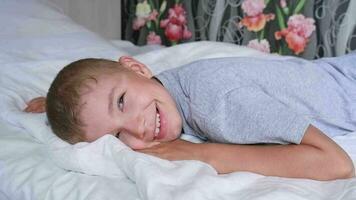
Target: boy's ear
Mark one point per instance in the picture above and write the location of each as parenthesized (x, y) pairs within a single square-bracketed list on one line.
[(136, 66)]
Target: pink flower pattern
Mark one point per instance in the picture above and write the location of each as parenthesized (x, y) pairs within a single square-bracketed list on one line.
[(173, 32), (297, 33), (262, 45), (186, 33), (153, 38), (301, 25), (153, 15), (138, 23), (253, 7), (255, 20), (175, 25), (283, 3)]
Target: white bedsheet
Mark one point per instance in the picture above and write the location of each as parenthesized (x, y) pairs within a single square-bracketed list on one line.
[(34, 164)]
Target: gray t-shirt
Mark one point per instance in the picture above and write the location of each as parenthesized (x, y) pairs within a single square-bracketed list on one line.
[(254, 100)]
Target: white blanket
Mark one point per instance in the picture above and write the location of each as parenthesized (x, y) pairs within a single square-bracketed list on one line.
[(35, 164)]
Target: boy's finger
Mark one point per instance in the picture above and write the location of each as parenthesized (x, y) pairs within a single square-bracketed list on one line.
[(28, 110), (34, 109)]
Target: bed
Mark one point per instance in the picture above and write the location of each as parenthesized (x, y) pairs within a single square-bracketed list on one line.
[(36, 41)]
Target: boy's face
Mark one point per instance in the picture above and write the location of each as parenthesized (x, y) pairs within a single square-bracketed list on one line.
[(129, 104)]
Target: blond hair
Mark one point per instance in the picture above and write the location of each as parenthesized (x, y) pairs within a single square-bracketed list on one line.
[(63, 98)]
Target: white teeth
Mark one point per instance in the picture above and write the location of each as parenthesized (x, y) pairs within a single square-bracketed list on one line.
[(158, 124), (158, 120), (156, 131)]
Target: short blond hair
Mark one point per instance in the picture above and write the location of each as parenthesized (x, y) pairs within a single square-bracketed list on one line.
[(63, 98)]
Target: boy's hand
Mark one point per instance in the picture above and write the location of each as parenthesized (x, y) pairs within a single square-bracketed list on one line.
[(36, 105), (176, 150)]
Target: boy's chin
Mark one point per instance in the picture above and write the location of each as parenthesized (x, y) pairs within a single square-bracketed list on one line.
[(145, 146)]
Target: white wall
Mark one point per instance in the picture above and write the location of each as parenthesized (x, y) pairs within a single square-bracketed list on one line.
[(100, 16)]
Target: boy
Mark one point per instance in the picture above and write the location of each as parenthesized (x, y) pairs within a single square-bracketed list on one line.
[(237, 104)]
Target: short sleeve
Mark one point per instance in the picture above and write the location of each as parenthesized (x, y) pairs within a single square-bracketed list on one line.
[(249, 115)]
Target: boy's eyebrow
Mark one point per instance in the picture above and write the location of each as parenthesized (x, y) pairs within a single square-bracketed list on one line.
[(111, 99)]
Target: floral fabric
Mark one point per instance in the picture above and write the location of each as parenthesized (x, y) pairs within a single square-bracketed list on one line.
[(305, 28)]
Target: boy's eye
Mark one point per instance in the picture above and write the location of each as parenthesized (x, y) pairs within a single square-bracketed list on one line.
[(117, 134), (120, 102)]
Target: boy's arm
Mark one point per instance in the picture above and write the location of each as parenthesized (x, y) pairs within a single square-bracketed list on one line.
[(36, 105), (317, 157)]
